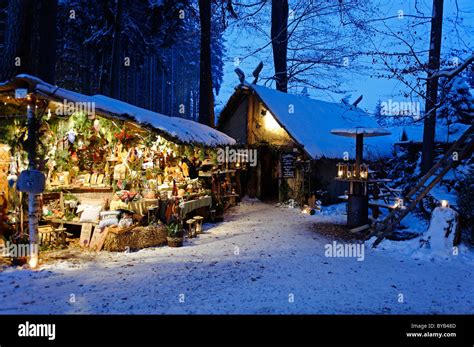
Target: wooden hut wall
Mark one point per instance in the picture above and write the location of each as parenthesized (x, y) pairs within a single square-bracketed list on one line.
[(236, 125)]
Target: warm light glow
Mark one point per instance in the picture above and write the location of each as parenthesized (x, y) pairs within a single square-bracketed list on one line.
[(270, 123), (398, 203), (339, 174), (444, 203), (33, 262)]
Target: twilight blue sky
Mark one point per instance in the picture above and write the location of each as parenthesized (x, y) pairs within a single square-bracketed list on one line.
[(239, 43)]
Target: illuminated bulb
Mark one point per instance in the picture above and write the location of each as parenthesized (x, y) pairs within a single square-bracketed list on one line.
[(444, 203), (270, 123), (399, 203), (339, 174)]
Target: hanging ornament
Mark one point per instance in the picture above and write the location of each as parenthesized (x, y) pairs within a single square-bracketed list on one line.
[(71, 135), (74, 157)]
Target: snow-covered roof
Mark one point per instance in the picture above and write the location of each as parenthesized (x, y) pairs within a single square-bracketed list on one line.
[(180, 129), (309, 122)]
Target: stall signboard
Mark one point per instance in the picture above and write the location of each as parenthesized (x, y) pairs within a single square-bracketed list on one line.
[(288, 165)]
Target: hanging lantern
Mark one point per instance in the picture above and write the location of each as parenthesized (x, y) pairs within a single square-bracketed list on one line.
[(340, 171), (364, 171)]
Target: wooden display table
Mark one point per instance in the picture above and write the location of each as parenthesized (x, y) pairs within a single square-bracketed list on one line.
[(141, 206)]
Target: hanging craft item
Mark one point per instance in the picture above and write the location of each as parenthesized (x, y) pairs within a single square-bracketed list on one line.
[(185, 169), (71, 135), (96, 125), (31, 181), (11, 180), (120, 171), (175, 188)]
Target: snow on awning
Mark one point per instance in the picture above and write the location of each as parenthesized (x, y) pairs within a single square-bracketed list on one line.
[(366, 132), (309, 122), (180, 129)]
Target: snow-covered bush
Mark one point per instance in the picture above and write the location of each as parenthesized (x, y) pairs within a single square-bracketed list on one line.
[(457, 103)]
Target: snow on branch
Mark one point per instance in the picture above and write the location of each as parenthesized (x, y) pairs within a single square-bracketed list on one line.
[(450, 74)]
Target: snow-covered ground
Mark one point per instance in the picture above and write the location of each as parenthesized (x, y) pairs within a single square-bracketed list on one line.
[(263, 259)]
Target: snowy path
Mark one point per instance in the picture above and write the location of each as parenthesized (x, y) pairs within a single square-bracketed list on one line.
[(280, 256)]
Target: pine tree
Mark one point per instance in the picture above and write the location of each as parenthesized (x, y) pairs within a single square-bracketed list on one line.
[(379, 117)]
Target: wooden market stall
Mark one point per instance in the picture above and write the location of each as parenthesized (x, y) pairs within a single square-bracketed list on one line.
[(108, 164)]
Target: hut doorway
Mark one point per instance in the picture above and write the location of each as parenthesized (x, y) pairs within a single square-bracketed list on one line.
[(269, 172)]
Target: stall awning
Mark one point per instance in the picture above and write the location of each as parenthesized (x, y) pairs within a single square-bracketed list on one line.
[(180, 129)]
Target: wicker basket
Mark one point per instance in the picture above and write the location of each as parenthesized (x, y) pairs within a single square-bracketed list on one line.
[(175, 241)]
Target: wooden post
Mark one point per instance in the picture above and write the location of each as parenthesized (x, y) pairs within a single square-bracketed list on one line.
[(358, 211), (359, 153)]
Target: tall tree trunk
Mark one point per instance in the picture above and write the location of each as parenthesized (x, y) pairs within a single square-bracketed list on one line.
[(14, 21), (116, 50), (33, 199), (47, 40), (23, 51), (279, 36), (30, 39), (206, 96), (427, 154)]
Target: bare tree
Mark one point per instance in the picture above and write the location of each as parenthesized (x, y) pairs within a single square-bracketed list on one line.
[(427, 153), (316, 42), (279, 37)]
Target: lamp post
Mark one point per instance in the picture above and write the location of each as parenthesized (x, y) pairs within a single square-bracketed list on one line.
[(358, 199)]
